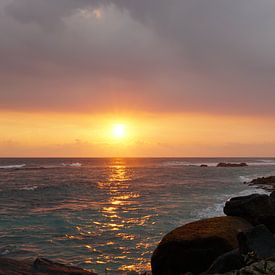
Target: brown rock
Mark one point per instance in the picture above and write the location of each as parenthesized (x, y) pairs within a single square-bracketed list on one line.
[(194, 246)]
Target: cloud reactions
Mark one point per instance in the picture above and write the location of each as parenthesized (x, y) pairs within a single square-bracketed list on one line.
[(213, 56)]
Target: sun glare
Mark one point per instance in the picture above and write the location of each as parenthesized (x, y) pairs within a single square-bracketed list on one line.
[(119, 131)]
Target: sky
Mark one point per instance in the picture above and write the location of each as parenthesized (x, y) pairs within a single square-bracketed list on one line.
[(184, 77)]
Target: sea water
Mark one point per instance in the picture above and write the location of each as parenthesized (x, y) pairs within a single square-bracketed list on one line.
[(110, 214)]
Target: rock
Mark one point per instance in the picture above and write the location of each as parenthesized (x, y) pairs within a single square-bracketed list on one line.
[(255, 208), (258, 268), (258, 242), (229, 261), (203, 165), (224, 164), (201, 242), (266, 182), (268, 221), (272, 195), (40, 266), (14, 267)]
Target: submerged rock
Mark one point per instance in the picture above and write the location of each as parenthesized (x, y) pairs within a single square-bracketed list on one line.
[(40, 266), (193, 247), (256, 209), (224, 164)]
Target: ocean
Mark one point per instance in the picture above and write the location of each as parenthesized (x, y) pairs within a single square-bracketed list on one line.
[(110, 214)]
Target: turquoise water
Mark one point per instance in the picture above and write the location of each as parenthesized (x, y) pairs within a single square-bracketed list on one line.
[(109, 214)]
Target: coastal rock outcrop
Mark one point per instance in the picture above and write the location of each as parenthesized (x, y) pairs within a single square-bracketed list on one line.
[(255, 208), (264, 182), (40, 266), (200, 242), (224, 164)]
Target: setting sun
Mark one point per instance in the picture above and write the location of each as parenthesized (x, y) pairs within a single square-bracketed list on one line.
[(119, 130)]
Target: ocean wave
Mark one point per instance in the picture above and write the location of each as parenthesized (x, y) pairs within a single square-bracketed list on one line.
[(246, 178), (34, 167), (75, 164), (217, 209), (15, 166), (187, 163), (7, 250), (261, 163), (213, 211), (29, 188)]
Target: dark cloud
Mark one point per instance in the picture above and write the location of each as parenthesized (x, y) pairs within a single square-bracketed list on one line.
[(155, 55)]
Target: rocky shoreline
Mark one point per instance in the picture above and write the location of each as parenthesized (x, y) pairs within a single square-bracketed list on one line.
[(240, 243)]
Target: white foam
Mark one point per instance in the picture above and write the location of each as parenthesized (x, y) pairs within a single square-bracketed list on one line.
[(12, 166), (261, 163), (29, 188), (217, 209), (75, 164), (246, 178)]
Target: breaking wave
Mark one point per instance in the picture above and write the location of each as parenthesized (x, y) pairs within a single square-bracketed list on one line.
[(16, 166)]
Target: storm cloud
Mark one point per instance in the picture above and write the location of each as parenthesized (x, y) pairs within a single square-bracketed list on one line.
[(214, 56)]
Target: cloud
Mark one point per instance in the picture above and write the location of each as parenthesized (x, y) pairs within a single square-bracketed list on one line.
[(213, 56)]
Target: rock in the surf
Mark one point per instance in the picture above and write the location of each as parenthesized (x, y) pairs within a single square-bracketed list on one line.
[(224, 164)]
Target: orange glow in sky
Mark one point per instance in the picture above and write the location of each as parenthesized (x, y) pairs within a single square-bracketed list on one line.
[(134, 135)]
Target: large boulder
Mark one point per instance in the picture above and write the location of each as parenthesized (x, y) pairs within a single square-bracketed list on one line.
[(256, 209), (193, 247), (40, 266)]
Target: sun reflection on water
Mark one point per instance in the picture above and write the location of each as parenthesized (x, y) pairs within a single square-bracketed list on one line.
[(119, 224)]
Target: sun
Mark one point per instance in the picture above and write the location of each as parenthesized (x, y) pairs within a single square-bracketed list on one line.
[(119, 131)]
